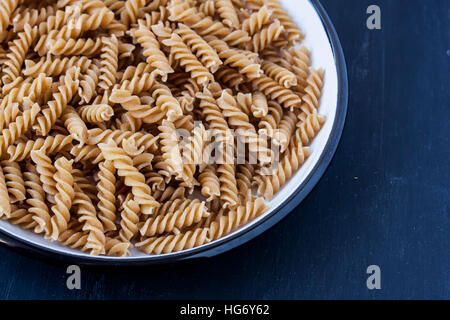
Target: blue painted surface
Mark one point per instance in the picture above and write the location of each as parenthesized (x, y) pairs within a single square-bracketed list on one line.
[(384, 199)]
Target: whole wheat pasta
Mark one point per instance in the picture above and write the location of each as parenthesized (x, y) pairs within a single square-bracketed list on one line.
[(75, 125), (150, 125), (257, 20), (55, 66), (14, 181), (63, 197), (110, 57)]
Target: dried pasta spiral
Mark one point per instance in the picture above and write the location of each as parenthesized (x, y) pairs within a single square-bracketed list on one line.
[(155, 57), (75, 125), (234, 58), (49, 144), (46, 172), (67, 89), (226, 224), (188, 60), (6, 8), (14, 181), (15, 129), (173, 243), (308, 127), (91, 224), (129, 220), (187, 213), (38, 207), (200, 47), (16, 56), (269, 183), (286, 97), (133, 178), (96, 113), (266, 35), (281, 75), (227, 12), (106, 194), (5, 206), (109, 56), (313, 91), (293, 32), (210, 183), (257, 20), (63, 198), (55, 66)]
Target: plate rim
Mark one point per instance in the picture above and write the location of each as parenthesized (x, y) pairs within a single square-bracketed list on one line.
[(244, 235)]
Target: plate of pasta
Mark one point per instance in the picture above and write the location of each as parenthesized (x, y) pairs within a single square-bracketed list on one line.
[(149, 131)]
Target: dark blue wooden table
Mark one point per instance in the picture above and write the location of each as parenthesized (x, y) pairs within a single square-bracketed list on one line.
[(384, 200)]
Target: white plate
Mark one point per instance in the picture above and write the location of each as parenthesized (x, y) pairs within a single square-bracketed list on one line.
[(317, 41)]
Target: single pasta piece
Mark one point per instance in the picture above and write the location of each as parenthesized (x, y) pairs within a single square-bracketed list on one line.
[(266, 35), (170, 148), (259, 107), (208, 8), (200, 47), (293, 32), (106, 187), (286, 97), (66, 91), (227, 12), (75, 125), (186, 214), (174, 243), (15, 129), (268, 182), (285, 130), (226, 224), (72, 47), (88, 83), (115, 247), (129, 219), (95, 113), (308, 127), (63, 198), (53, 67), (49, 144), (210, 183), (91, 224), (46, 172), (187, 60), (38, 207), (257, 20), (133, 178), (313, 91), (16, 56), (133, 105), (234, 58), (14, 181), (5, 205), (155, 57), (22, 16), (110, 60), (281, 75)]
